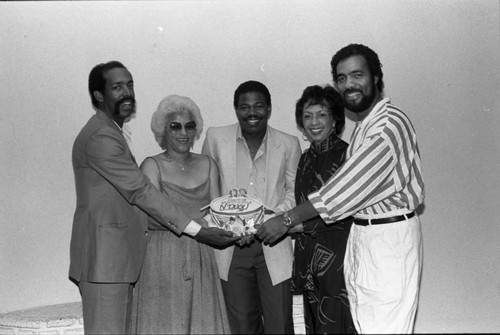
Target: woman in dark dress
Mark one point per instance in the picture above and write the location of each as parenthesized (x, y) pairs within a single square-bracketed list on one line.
[(320, 248)]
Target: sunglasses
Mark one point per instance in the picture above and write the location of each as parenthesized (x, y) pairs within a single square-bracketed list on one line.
[(176, 127)]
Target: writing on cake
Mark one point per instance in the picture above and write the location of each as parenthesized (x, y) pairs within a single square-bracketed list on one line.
[(235, 204)]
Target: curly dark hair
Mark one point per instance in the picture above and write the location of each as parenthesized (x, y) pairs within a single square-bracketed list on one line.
[(251, 86), (326, 96), (370, 56), (97, 82)]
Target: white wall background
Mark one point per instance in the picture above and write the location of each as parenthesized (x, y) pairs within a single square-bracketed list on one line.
[(441, 65)]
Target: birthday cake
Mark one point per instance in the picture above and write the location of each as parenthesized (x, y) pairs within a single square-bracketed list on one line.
[(237, 212)]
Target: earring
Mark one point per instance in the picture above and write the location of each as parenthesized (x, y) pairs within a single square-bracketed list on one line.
[(304, 137)]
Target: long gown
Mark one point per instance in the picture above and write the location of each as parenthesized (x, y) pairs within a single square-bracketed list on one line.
[(179, 290), (319, 251)]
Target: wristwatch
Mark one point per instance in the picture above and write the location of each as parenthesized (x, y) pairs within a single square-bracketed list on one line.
[(287, 221)]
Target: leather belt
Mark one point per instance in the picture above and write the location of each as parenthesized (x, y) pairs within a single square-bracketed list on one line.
[(364, 222)]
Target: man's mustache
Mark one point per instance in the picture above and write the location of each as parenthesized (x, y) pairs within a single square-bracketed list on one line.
[(352, 91), (123, 100), (254, 117)]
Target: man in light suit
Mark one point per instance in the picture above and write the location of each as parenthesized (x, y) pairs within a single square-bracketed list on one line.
[(114, 200), (256, 157)]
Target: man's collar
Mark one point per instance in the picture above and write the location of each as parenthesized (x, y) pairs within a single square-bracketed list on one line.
[(239, 134), (102, 114), (116, 124), (375, 110)]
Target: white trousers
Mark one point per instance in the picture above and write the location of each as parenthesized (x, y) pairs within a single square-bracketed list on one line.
[(382, 268)]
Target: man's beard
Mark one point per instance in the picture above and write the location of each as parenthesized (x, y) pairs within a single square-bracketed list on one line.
[(363, 105), (123, 100)]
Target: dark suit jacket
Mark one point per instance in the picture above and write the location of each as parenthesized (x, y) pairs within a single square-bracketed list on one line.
[(113, 196)]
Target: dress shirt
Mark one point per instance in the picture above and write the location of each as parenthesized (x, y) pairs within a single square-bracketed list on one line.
[(127, 133), (251, 173)]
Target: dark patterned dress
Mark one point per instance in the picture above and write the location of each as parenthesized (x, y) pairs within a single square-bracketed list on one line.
[(319, 251)]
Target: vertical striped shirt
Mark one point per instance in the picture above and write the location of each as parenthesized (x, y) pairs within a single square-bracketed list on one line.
[(382, 175)]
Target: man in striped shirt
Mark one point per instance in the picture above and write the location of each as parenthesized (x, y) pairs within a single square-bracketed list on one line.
[(381, 186)]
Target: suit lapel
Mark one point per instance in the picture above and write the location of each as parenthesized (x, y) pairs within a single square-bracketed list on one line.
[(231, 150), (102, 116), (273, 166)]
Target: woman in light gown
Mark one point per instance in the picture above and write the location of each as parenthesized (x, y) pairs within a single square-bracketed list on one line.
[(179, 290)]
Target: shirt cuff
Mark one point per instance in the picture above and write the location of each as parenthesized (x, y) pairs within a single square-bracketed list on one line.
[(192, 228), (320, 207)]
